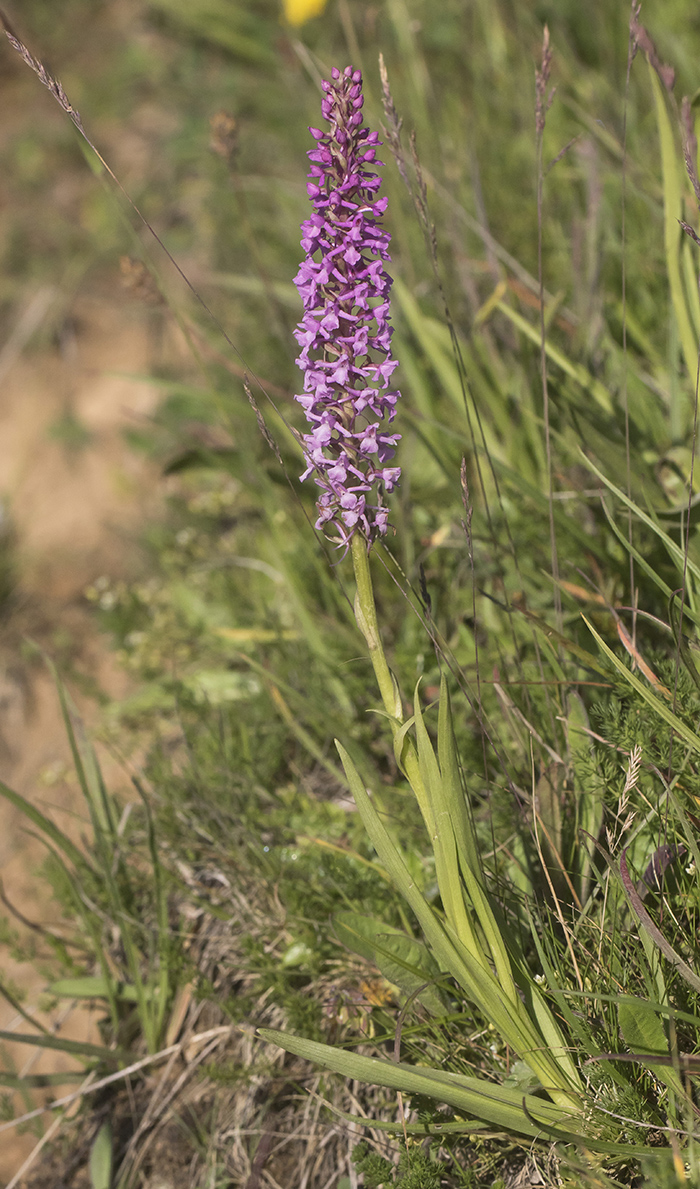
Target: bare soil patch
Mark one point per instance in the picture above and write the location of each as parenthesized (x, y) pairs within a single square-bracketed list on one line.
[(76, 510)]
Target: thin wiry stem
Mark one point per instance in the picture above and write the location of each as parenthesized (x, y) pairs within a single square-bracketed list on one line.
[(631, 52), (543, 101)]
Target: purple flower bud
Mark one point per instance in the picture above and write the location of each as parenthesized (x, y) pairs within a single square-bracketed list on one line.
[(344, 335)]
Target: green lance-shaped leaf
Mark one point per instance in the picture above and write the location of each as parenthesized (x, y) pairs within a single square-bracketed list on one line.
[(588, 792), (549, 1061), (101, 1159), (503, 1108), (465, 836), (672, 173), (443, 839), (94, 986), (450, 795)]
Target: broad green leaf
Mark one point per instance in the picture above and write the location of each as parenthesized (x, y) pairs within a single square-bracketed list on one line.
[(644, 1033), (465, 837), (402, 960), (521, 1078), (93, 987), (500, 1107), (453, 805), (690, 284)]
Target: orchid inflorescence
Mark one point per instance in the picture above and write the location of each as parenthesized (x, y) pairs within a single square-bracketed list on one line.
[(344, 335)]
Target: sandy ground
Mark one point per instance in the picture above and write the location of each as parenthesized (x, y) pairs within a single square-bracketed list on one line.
[(76, 514)]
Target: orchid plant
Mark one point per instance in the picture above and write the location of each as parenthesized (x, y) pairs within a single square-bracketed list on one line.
[(347, 366)]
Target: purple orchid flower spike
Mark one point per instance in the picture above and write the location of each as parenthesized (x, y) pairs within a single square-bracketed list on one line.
[(344, 335)]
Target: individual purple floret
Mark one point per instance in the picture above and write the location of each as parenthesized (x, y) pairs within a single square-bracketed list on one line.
[(345, 336)]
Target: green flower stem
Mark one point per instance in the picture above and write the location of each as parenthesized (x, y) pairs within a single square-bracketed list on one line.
[(366, 616)]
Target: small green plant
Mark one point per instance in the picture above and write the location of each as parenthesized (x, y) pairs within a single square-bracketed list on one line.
[(415, 1169)]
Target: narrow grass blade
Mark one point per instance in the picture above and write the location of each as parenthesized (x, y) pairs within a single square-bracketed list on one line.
[(86, 766), (685, 733), (145, 991), (46, 827), (653, 930), (590, 805), (675, 552), (575, 371), (38, 1081), (641, 561), (61, 1044)]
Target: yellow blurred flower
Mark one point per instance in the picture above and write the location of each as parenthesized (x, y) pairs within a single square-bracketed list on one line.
[(299, 11)]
